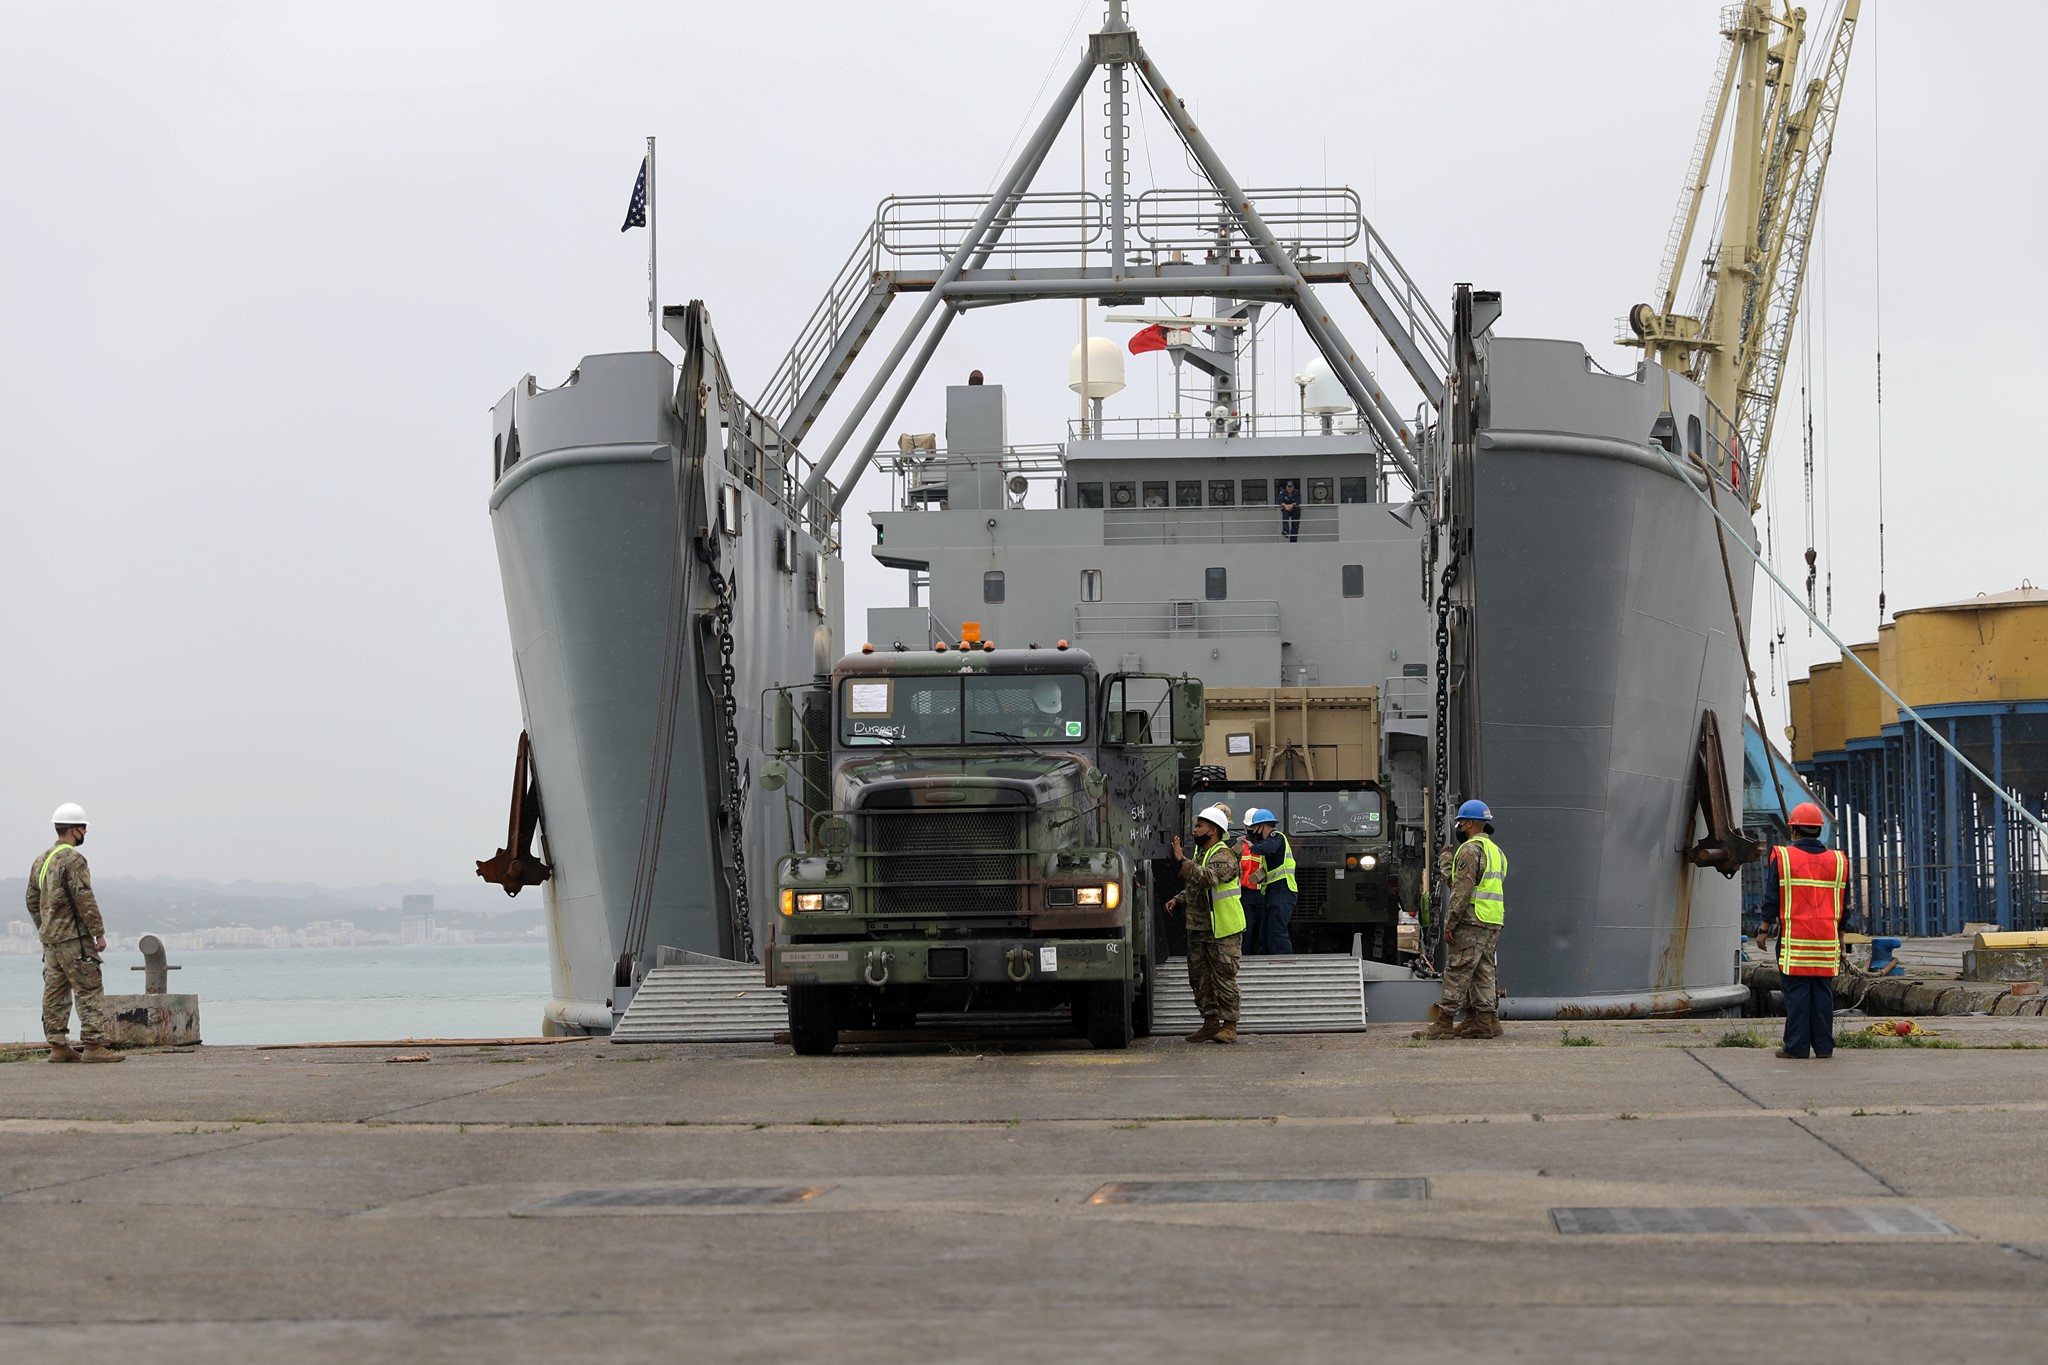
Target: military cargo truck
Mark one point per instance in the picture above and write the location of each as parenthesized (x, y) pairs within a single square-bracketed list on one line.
[(978, 833), (1314, 757)]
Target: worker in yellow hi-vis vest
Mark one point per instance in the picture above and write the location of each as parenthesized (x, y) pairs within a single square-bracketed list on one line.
[(1472, 931), (1211, 896)]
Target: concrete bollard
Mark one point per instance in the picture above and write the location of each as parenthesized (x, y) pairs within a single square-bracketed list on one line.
[(155, 1018)]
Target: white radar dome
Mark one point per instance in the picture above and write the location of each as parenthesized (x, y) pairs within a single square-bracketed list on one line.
[(1320, 391), (1105, 369)]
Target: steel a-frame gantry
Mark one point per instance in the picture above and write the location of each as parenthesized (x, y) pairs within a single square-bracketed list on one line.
[(1283, 274)]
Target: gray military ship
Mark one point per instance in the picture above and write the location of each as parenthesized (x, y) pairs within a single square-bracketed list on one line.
[(1526, 563)]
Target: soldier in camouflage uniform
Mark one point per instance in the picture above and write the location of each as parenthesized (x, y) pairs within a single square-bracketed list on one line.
[(1472, 924), (1210, 893), (67, 918)]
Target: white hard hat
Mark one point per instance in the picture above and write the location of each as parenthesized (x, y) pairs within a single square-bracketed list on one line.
[(70, 813), (1218, 816)]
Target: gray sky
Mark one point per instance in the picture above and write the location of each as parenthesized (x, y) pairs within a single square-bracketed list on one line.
[(265, 268)]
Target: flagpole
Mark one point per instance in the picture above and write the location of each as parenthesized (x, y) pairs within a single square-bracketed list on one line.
[(653, 307)]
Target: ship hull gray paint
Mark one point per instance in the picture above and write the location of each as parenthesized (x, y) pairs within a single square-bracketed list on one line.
[(1603, 631), (585, 525)]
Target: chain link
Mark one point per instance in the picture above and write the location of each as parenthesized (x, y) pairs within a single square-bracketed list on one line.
[(735, 778), (1432, 873)]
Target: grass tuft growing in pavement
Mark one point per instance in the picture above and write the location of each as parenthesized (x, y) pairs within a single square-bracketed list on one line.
[(1742, 1037), (1566, 1038)]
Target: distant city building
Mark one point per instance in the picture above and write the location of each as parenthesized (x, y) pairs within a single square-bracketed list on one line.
[(416, 919)]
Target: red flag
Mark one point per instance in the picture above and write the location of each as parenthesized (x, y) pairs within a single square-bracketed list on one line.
[(1153, 338)]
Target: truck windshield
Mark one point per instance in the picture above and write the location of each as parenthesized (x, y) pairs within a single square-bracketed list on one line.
[(974, 709), (1356, 814)]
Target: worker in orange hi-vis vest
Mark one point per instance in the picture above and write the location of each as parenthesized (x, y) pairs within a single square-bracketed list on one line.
[(1807, 882), (1252, 884)]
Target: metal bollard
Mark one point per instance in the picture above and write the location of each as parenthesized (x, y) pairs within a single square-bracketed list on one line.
[(156, 974)]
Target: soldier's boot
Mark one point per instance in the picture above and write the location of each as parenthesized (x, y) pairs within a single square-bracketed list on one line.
[(1438, 1027), (1210, 1026), (63, 1052), (1226, 1034), (100, 1052), (1479, 1025)]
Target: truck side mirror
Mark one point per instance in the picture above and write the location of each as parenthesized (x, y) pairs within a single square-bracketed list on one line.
[(784, 722), (1188, 711), (773, 774)]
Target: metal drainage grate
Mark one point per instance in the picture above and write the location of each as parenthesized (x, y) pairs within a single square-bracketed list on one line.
[(1765, 1219), (1254, 1191), (680, 1197)]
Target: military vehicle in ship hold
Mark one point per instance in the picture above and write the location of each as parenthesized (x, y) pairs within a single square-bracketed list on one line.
[(1313, 756), (979, 829)]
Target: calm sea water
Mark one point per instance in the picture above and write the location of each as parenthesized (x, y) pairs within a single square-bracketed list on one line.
[(310, 995)]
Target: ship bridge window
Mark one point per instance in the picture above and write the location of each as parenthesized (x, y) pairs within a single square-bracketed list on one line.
[(1222, 493), (1091, 585), (1354, 490), (1087, 495), (1155, 494), (1692, 434), (992, 586), (1254, 493), (1354, 580), (1322, 492), (1187, 493), (1216, 584), (1123, 495)]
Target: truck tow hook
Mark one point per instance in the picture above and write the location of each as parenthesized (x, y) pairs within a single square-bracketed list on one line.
[(1019, 964), (876, 969)]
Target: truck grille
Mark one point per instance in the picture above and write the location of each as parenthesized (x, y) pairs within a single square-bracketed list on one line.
[(960, 864)]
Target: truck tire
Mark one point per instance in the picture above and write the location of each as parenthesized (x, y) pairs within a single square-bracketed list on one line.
[(1141, 1008), (813, 1020), (1109, 1014)]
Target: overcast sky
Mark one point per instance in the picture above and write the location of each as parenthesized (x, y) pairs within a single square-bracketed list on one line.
[(265, 268)]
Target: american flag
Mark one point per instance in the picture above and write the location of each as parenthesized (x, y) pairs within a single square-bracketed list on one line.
[(636, 212)]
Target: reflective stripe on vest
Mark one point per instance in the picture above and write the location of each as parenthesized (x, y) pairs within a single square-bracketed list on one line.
[(1490, 897), (1282, 872), (1226, 900), (43, 872), (1254, 871), (1811, 887)]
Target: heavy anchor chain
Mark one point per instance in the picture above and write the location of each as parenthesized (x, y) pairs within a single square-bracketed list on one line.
[(735, 778), (1443, 725)]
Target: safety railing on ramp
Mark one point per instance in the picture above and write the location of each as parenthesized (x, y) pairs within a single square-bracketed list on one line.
[(1302, 993)]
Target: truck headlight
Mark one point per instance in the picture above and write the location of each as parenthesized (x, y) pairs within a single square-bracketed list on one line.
[(1088, 895), (1368, 862), (810, 900), (838, 900)]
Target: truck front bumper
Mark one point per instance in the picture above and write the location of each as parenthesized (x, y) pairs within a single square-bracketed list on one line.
[(987, 961)]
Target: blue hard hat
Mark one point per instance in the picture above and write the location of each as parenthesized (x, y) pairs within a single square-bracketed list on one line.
[(1474, 809), (1260, 816)]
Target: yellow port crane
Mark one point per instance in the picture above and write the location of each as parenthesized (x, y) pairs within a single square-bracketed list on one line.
[(1735, 336)]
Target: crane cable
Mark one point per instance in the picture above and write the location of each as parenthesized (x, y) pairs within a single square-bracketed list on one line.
[(1877, 305)]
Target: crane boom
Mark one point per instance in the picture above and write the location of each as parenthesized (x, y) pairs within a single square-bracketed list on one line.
[(1807, 140)]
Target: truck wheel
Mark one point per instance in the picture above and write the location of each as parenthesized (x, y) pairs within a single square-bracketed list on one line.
[(1141, 1008), (813, 1020), (1109, 1014)]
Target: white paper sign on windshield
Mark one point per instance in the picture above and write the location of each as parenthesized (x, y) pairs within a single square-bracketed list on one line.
[(869, 699)]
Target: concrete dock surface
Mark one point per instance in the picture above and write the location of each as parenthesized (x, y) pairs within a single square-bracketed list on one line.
[(1306, 1198)]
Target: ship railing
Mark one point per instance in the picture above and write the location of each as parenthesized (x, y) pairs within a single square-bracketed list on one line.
[(1406, 698), (1303, 217), (757, 456), (920, 480), (1195, 620), (1210, 526), (1044, 223), (1384, 269), (821, 333), (1192, 426)]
